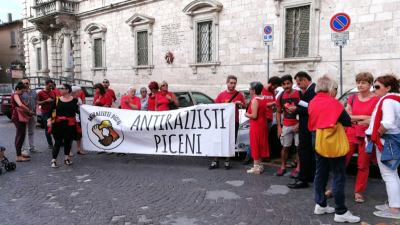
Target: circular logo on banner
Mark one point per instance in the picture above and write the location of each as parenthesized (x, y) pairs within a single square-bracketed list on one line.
[(340, 22), (105, 132)]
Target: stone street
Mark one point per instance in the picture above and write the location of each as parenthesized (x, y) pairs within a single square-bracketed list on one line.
[(138, 189)]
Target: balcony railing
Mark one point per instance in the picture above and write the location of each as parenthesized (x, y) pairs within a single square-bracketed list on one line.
[(45, 8)]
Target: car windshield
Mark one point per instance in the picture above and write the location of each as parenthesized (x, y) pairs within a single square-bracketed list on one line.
[(5, 89), (89, 92)]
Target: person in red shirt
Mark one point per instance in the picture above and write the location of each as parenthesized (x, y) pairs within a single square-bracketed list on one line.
[(164, 98), (360, 107), (110, 92), (130, 101), (234, 96), (151, 104), (268, 92), (258, 127), (46, 97), (290, 129), (82, 96), (101, 98)]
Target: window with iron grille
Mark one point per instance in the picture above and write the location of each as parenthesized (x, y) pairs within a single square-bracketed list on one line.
[(297, 31), (98, 52), (39, 58), (142, 48), (13, 39), (204, 42)]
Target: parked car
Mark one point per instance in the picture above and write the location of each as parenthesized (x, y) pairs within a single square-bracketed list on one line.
[(5, 95)]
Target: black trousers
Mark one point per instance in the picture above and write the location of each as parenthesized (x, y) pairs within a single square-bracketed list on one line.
[(63, 135), (306, 157)]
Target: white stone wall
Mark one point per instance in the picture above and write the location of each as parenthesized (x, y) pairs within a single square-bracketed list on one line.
[(374, 43)]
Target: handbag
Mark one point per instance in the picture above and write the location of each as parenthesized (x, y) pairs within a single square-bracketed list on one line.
[(23, 117), (332, 142)]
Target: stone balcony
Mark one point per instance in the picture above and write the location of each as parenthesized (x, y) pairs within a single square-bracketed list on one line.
[(50, 15)]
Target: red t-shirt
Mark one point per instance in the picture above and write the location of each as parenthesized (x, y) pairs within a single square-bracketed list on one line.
[(82, 96), (44, 95), (359, 108), (285, 101), (225, 96), (110, 92), (270, 97), (104, 100), (57, 92), (135, 101), (151, 103), (162, 100)]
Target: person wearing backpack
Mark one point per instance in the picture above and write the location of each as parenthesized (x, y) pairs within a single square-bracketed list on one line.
[(360, 107), (327, 119)]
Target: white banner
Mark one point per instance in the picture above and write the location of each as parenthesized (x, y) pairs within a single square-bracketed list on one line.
[(202, 130)]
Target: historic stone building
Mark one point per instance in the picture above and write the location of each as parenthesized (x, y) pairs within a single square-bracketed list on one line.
[(195, 44)]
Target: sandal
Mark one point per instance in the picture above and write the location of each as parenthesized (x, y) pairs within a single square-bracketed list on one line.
[(26, 156), (22, 159), (67, 162), (359, 198), (54, 164), (81, 153)]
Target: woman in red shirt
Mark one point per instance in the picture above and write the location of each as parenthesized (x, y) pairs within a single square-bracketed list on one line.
[(164, 98), (130, 101), (151, 104), (360, 107), (257, 113), (101, 98)]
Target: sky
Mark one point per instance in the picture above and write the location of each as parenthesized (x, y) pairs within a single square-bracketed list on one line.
[(10, 6)]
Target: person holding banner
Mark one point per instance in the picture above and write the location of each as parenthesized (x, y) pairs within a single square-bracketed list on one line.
[(165, 100), (101, 98), (144, 98), (63, 123), (130, 101), (110, 92), (257, 113), (151, 103), (230, 95)]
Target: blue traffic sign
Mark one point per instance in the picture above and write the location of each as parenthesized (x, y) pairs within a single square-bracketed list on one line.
[(340, 22), (268, 29)]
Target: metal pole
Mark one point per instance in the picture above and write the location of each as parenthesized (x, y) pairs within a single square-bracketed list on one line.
[(341, 72), (268, 63)]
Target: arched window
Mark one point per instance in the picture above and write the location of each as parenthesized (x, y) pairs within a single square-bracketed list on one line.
[(97, 33)]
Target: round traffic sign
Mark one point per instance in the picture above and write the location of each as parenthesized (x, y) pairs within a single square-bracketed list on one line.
[(340, 22), (268, 29)]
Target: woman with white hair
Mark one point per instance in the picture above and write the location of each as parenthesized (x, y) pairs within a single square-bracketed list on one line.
[(327, 117), (76, 93), (130, 101)]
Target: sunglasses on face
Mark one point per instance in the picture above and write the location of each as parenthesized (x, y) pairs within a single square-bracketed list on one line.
[(164, 85), (377, 87), (26, 83), (106, 82)]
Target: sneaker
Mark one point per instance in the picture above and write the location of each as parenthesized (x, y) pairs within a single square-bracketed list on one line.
[(347, 217), (280, 172), (227, 165), (319, 210), (34, 150), (25, 153), (255, 170), (213, 165), (54, 164), (382, 207), (67, 162), (387, 214)]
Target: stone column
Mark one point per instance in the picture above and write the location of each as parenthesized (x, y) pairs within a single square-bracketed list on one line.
[(68, 57), (45, 60)]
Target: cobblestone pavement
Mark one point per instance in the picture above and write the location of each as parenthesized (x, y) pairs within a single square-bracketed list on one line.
[(136, 189)]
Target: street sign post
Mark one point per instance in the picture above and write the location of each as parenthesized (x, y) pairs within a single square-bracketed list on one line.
[(339, 23), (268, 37)]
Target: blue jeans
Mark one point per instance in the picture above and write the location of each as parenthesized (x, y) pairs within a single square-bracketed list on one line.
[(337, 165), (45, 117)]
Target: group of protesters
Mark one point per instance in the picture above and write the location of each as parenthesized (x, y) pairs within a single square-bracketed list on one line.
[(325, 134)]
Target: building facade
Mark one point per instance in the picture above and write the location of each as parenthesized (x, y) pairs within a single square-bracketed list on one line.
[(195, 44), (11, 48)]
